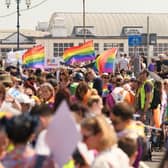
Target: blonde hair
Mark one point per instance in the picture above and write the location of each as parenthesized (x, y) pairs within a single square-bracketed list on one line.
[(99, 124), (93, 99)]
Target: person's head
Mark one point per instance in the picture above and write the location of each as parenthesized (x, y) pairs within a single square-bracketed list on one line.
[(54, 83), (46, 92), (79, 111), (91, 74), (105, 77), (61, 94), (134, 84), (78, 76), (81, 90), (123, 72), (95, 104), (125, 55), (44, 112), (26, 102), (63, 75), (143, 75), (29, 92), (121, 115), (20, 128), (119, 80), (6, 80), (130, 147), (98, 133)]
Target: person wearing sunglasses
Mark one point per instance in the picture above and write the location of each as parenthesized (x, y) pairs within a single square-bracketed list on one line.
[(98, 134)]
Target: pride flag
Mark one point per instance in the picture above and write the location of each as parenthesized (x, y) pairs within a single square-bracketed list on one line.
[(81, 53), (106, 61), (34, 57)]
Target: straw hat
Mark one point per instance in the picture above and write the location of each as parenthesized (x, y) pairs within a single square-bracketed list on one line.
[(5, 78)]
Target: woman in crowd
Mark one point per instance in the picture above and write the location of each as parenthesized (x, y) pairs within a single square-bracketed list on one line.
[(46, 93), (95, 105), (61, 94), (64, 79), (82, 93), (98, 134)]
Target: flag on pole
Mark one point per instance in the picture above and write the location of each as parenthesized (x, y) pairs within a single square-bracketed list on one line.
[(81, 53), (34, 57), (106, 61)]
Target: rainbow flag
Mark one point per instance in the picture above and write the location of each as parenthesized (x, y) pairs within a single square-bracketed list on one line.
[(106, 61), (34, 57), (81, 53)]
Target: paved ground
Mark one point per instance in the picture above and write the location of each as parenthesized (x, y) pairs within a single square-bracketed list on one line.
[(156, 159)]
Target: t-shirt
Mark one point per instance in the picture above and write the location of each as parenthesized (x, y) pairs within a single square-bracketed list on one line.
[(111, 158), (123, 62), (41, 146)]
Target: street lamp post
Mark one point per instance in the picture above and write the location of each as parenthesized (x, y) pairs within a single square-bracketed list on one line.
[(84, 24), (8, 2), (148, 54)]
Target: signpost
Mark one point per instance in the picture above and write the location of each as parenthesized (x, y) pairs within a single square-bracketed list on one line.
[(134, 41)]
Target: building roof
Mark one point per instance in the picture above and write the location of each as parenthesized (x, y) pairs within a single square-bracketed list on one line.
[(29, 33), (111, 24)]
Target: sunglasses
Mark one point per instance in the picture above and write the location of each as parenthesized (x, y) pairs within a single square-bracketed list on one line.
[(105, 77), (30, 95), (85, 137)]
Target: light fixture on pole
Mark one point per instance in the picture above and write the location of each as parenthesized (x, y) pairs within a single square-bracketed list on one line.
[(28, 3), (84, 24)]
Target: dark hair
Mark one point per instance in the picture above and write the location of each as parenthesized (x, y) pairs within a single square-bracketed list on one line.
[(145, 71), (81, 90), (123, 110), (20, 128), (79, 108), (128, 145), (61, 94), (38, 72), (41, 110)]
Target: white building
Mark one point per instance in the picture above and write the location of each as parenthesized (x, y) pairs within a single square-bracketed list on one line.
[(105, 29)]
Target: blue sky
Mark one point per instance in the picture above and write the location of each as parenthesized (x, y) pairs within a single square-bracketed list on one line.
[(29, 18)]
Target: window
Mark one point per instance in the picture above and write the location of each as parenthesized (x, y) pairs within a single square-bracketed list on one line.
[(96, 47), (81, 31), (120, 46), (138, 50), (4, 51), (59, 48), (160, 48)]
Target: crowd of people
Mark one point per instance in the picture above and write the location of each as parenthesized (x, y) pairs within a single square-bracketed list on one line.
[(113, 112)]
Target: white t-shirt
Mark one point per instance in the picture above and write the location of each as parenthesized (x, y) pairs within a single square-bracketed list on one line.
[(111, 158), (123, 63), (41, 147), (119, 94)]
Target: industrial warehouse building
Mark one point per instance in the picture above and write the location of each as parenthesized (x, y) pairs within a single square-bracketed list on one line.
[(106, 30)]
